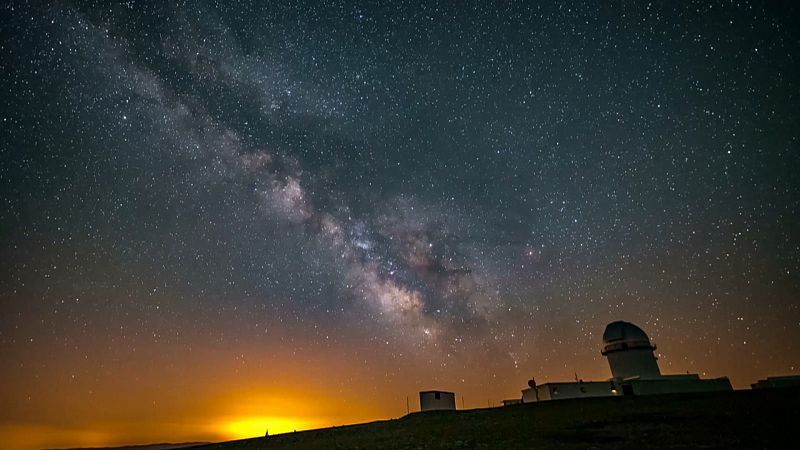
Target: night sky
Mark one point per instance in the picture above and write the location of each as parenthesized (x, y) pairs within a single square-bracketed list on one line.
[(220, 218)]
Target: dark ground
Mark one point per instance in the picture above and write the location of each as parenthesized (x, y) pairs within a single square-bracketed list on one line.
[(741, 419)]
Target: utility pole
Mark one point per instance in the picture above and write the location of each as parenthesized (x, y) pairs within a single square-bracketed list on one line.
[(408, 408)]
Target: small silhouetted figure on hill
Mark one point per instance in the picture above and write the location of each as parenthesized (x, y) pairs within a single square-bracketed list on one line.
[(267, 433)]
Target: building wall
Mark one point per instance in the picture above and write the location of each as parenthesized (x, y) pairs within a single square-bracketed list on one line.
[(579, 390), (428, 401), (777, 382), (559, 391), (674, 385), (529, 395), (638, 362)]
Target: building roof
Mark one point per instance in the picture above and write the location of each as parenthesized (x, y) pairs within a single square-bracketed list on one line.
[(433, 392), (561, 383), (621, 335)]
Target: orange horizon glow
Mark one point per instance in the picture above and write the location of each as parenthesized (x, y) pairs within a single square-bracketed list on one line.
[(256, 426), (205, 396), (248, 385), (244, 421)]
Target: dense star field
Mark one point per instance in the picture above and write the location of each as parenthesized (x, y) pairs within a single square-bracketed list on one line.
[(219, 218)]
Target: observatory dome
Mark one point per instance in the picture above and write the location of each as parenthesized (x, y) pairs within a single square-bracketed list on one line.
[(624, 336)]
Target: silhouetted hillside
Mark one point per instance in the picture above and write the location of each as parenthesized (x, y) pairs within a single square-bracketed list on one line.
[(725, 420)]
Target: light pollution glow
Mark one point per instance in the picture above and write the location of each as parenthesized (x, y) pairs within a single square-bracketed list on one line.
[(210, 394)]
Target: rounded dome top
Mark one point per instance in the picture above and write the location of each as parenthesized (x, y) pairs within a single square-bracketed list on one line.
[(624, 335)]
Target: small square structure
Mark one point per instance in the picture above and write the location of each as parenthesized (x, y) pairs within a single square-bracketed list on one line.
[(436, 400)]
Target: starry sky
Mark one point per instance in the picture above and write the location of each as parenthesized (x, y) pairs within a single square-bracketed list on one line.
[(221, 217)]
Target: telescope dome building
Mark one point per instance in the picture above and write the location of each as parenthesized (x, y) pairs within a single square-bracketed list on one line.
[(634, 371), (629, 352)]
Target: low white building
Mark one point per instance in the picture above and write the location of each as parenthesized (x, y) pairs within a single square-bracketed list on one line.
[(436, 400), (569, 389), (672, 384)]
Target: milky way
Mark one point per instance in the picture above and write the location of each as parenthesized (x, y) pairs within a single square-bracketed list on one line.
[(442, 195)]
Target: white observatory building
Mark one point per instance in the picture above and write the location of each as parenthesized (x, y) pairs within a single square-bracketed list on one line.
[(629, 352), (634, 371)]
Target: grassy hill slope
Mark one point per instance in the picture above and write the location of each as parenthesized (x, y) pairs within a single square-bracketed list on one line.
[(741, 419)]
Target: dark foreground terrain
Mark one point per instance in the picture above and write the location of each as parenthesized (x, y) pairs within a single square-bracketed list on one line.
[(742, 419)]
